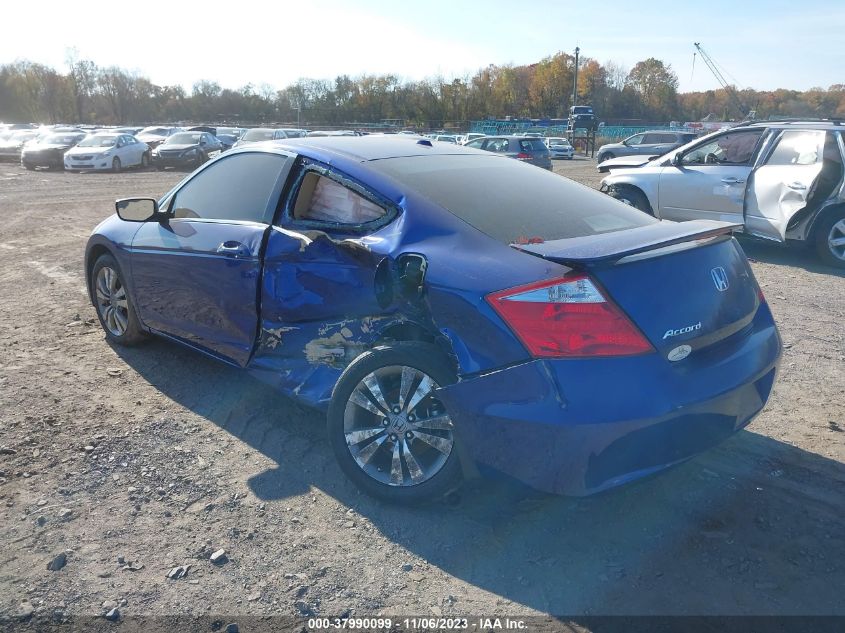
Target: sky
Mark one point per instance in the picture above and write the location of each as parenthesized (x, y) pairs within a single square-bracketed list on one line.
[(762, 44)]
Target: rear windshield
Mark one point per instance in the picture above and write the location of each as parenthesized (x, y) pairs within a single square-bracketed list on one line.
[(510, 201), (533, 145)]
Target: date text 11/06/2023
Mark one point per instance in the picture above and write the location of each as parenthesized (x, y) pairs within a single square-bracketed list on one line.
[(418, 624)]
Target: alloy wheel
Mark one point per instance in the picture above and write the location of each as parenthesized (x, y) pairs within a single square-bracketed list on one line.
[(396, 430), (112, 303), (836, 240)]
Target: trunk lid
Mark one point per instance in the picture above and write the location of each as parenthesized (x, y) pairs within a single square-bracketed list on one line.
[(685, 283)]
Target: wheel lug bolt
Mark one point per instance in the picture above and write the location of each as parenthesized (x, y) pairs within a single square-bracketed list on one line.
[(409, 435), (393, 437), (411, 418), (396, 409), (385, 421)]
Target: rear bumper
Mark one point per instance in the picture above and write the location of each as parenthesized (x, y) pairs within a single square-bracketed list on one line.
[(581, 426)]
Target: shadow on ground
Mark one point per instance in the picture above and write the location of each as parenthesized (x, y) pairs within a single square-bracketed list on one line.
[(795, 254), (751, 527)]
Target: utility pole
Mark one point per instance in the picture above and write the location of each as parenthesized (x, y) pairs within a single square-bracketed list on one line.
[(575, 82)]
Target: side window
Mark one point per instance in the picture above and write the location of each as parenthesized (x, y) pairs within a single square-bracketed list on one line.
[(797, 147), (322, 199), (477, 143), (733, 148), (236, 188), (635, 140), (664, 138), (650, 139)]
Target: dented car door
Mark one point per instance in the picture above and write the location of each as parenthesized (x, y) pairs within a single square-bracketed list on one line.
[(780, 188), (327, 281)]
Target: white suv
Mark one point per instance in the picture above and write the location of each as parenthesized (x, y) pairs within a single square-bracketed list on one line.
[(779, 180)]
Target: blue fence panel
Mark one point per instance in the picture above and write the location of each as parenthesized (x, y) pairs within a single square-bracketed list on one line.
[(609, 132)]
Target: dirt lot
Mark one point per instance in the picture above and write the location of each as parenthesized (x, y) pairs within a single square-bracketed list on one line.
[(134, 462)]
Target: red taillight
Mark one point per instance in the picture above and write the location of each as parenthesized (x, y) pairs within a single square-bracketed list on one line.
[(523, 156), (568, 317)]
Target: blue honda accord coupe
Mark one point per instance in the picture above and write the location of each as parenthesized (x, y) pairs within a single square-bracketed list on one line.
[(451, 310)]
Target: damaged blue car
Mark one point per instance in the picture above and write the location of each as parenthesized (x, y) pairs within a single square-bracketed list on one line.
[(450, 309)]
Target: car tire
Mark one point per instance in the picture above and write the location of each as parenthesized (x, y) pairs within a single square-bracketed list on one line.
[(831, 227), (606, 156), (145, 160), (115, 165), (633, 197), (378, 440), (29, 166), (114, 306)]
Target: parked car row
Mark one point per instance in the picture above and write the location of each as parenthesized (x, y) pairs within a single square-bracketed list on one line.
[(118, 147)]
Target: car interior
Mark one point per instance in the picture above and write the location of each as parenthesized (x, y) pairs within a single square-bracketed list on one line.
[(321, 198)]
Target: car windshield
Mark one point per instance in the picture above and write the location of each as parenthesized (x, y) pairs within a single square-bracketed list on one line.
[(184, 139), (98, 141), (258, 135), (23, 136), (61, 139), (510, 201), (158, 131), (582, 110), (559, 141)]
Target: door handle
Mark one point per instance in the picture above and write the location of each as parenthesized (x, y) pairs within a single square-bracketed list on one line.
[(798, 186), (233, 249), (732, 181)]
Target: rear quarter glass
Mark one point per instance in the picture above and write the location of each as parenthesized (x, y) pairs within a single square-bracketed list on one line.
[(509, 201)]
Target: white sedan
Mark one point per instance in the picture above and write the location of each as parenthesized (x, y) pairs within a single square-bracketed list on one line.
[(107, 152), (560, 147)]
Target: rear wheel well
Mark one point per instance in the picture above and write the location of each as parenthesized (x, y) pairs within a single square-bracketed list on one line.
[(833, 209), (409, 331)]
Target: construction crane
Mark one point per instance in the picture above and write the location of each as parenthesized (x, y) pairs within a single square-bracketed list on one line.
[(732, 94)]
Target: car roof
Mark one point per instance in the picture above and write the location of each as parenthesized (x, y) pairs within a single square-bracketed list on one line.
[(371, 147), (833, 124)]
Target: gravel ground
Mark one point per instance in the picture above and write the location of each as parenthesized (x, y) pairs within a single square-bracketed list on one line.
[(119, 466)]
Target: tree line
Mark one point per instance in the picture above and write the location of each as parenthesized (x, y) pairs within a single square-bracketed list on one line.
[(86, 93)]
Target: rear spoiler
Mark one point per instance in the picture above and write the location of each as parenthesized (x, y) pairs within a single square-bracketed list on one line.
[(611, 247)]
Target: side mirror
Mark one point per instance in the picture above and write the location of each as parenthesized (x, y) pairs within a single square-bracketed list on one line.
[(136, 209), (677, 159)]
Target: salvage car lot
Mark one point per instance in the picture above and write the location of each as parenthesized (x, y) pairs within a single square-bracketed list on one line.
[(162, 457)]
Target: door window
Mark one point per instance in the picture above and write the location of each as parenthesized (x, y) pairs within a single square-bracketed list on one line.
[(241, 187), (323, 200), (662, 138), (651, 139), (635, 140), (733, 148), (797, 147), (477, 143)]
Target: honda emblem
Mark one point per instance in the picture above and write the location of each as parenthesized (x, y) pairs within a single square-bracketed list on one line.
[(720, 278)]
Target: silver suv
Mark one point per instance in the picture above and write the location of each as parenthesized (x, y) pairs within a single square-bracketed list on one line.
[(651, 143), (779, 180)]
